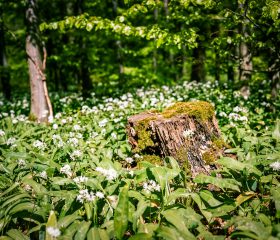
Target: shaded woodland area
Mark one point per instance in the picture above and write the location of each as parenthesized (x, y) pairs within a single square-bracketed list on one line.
[(135, 43), (129, 119)]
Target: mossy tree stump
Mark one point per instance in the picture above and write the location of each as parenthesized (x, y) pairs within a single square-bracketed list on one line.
[(187, 131)]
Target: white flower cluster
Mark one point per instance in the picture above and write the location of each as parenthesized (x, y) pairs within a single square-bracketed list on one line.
[(66, 169), (110, 174), (57, 140), (75, 154), (53, 231), (86, 196), (21, 163), (275, 166), (39, 145), (103, 123), (129, 160), (151, 186), (44, 175), (11, 141), (80, 179), (2, 133), (237, 117), (188, 133)]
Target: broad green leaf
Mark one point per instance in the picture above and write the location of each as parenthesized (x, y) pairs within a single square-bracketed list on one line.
[(82, 231), (169, 233), (208, 197), (160, 174), (223, 183), (121, 213), (52, 223), (176, 217), (275, 192), (141, 207), (141, 236), (67, 220), (233, 164), (11, 188), (16, 235)]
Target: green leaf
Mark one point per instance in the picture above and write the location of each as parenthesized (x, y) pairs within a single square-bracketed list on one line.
[(276, 131), (16, 235), (67, 220), (223, 183), (141, 236), (82, 231), (208, 197), (233, 164), (121, 213), (93, 234), (169, 233), (176, 217), (141, 207), (52, 222), (160, 175), (275, 193)]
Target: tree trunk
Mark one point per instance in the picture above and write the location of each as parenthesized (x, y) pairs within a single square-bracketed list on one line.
[(84, 73), (246, 64), (198, 70), (41, 108), (186, 131), (4, 70), (274, 75)]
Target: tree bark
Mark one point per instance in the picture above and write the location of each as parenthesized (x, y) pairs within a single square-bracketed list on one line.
[(188, 132), (246, 64), (198, 70), (4, 70), (41, 108), (84, 73)]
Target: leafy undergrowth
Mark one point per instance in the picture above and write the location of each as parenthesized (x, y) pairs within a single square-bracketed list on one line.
[(77, 177)]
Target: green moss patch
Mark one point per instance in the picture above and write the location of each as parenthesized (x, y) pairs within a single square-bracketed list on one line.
[(200, 109)]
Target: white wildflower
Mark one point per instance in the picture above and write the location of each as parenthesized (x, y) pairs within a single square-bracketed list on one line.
[(129, 160), (103, 123), (11, 141), (99, 194), (44, 175), (73, 142), (53, 231), (84, 195), (63, 121), (55, 126), (66, 169), (39, 144), (114, 135), (151, 186), (76, 127), (21, 163), (2, 133), (110, 174), (188, 133), (275, 166), (80, 179), (76, 154)]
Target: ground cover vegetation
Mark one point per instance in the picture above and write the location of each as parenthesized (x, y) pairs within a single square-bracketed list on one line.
[(67, 170)]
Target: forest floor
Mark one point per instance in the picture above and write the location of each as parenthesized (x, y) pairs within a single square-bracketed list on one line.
[(77, 177)]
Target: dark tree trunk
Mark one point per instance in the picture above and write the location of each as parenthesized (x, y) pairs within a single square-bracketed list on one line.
[(198, 70), (186, 131), (246, 64), (118, 45), (41, 107), (274, 75), (4, 70), (84, 73)]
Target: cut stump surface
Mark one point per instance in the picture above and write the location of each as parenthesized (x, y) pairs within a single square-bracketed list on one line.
[(187, 131)]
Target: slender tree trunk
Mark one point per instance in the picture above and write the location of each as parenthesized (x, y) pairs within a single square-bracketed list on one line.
[(198, 70), (155, 63), (246, 64), (41, 107), (118, 45), (274, 75), (4, 70)]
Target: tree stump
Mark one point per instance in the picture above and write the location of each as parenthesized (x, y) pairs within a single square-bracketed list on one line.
[(187, 131)]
